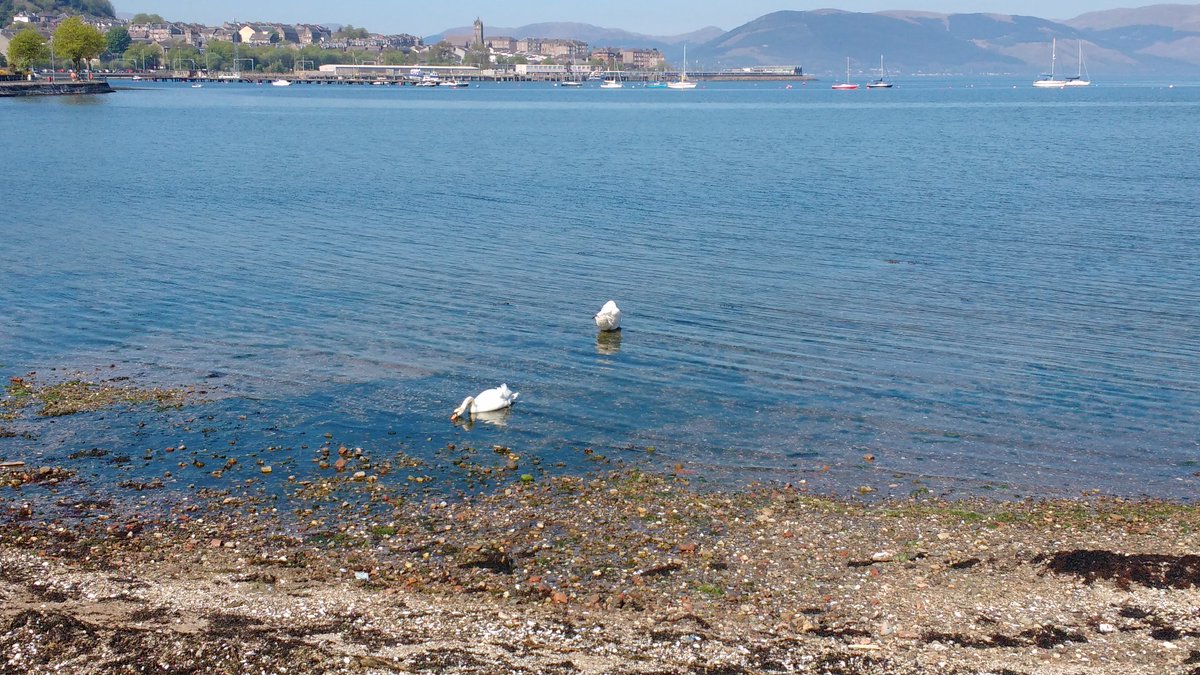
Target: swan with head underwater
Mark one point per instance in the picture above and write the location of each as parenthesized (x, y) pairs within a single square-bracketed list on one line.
[(609, 317), (489, 400)]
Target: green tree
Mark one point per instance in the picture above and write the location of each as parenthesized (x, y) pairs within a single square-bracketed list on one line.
[(78, 41), (348, 32), (147, 18), (141, 55), (184, 56), (117, 39), (442, 54), (478, 56), (218, 56), (27, 48)]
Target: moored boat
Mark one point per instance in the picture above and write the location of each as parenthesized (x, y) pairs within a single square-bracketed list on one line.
[(882, 82), (1050, 81), (847, 85)]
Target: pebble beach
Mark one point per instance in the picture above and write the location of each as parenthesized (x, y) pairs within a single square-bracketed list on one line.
[(362, 568)]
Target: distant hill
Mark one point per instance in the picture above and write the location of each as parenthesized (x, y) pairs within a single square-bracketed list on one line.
[(596, 36), (924, 42), (1185, 18), (93, 7), (1167, 32)]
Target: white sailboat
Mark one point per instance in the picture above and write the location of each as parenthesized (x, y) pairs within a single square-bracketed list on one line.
[(1051, 81), (882, 82), (683, 82), (1081, 79)]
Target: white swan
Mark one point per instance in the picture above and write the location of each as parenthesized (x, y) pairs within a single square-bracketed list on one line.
[(488, 400), (609, 317)]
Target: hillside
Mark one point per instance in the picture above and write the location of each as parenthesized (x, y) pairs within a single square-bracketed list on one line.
[(1166, 32), (1183, 18), (924, 42), (93, 7)]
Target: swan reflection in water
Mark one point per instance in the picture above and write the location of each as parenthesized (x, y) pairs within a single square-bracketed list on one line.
[(608, 342), (497, 418)]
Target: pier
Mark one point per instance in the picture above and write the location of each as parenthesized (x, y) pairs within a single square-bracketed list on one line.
[(44, 88)]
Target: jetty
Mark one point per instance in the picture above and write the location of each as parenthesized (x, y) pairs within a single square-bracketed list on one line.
[(45, 88)]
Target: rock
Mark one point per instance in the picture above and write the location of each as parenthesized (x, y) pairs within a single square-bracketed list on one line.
[(559, 597), (1107, 628), (266, 469), (883, 556)]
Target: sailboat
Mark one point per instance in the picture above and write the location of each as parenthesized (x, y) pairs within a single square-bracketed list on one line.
[(1050, 81), (882, 82), (847, 85), (683, 82), (571, 80), (1079, 80)]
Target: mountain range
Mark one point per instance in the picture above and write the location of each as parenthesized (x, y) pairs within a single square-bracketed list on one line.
[(1157, 39)]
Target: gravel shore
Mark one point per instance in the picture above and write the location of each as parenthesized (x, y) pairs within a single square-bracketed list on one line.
[(357, 566), (626, 573)]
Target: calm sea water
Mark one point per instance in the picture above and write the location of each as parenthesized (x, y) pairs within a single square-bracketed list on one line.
[(979, 283)]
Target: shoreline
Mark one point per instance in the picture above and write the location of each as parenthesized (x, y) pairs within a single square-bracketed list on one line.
[(614, 570), (622, 572)]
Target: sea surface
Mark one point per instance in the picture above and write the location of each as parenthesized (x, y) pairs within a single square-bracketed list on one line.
[(970, 285)]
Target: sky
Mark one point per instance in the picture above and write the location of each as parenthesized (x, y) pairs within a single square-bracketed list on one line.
[(661, 17)]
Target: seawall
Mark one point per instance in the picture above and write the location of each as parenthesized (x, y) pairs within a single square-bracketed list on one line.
[(53, 88)]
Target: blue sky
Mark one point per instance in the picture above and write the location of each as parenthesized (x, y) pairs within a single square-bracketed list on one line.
[(663, 17)]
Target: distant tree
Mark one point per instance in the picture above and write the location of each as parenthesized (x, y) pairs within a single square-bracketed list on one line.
[(398, 57), (147, 18), (441, 53), (27, 48), (141, 55), (218, 55), (349, 32), (117, 39), (93, 7), (478, 56), (78, 41)]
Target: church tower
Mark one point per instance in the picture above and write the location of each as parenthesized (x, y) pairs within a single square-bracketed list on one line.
[(478, 32)]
